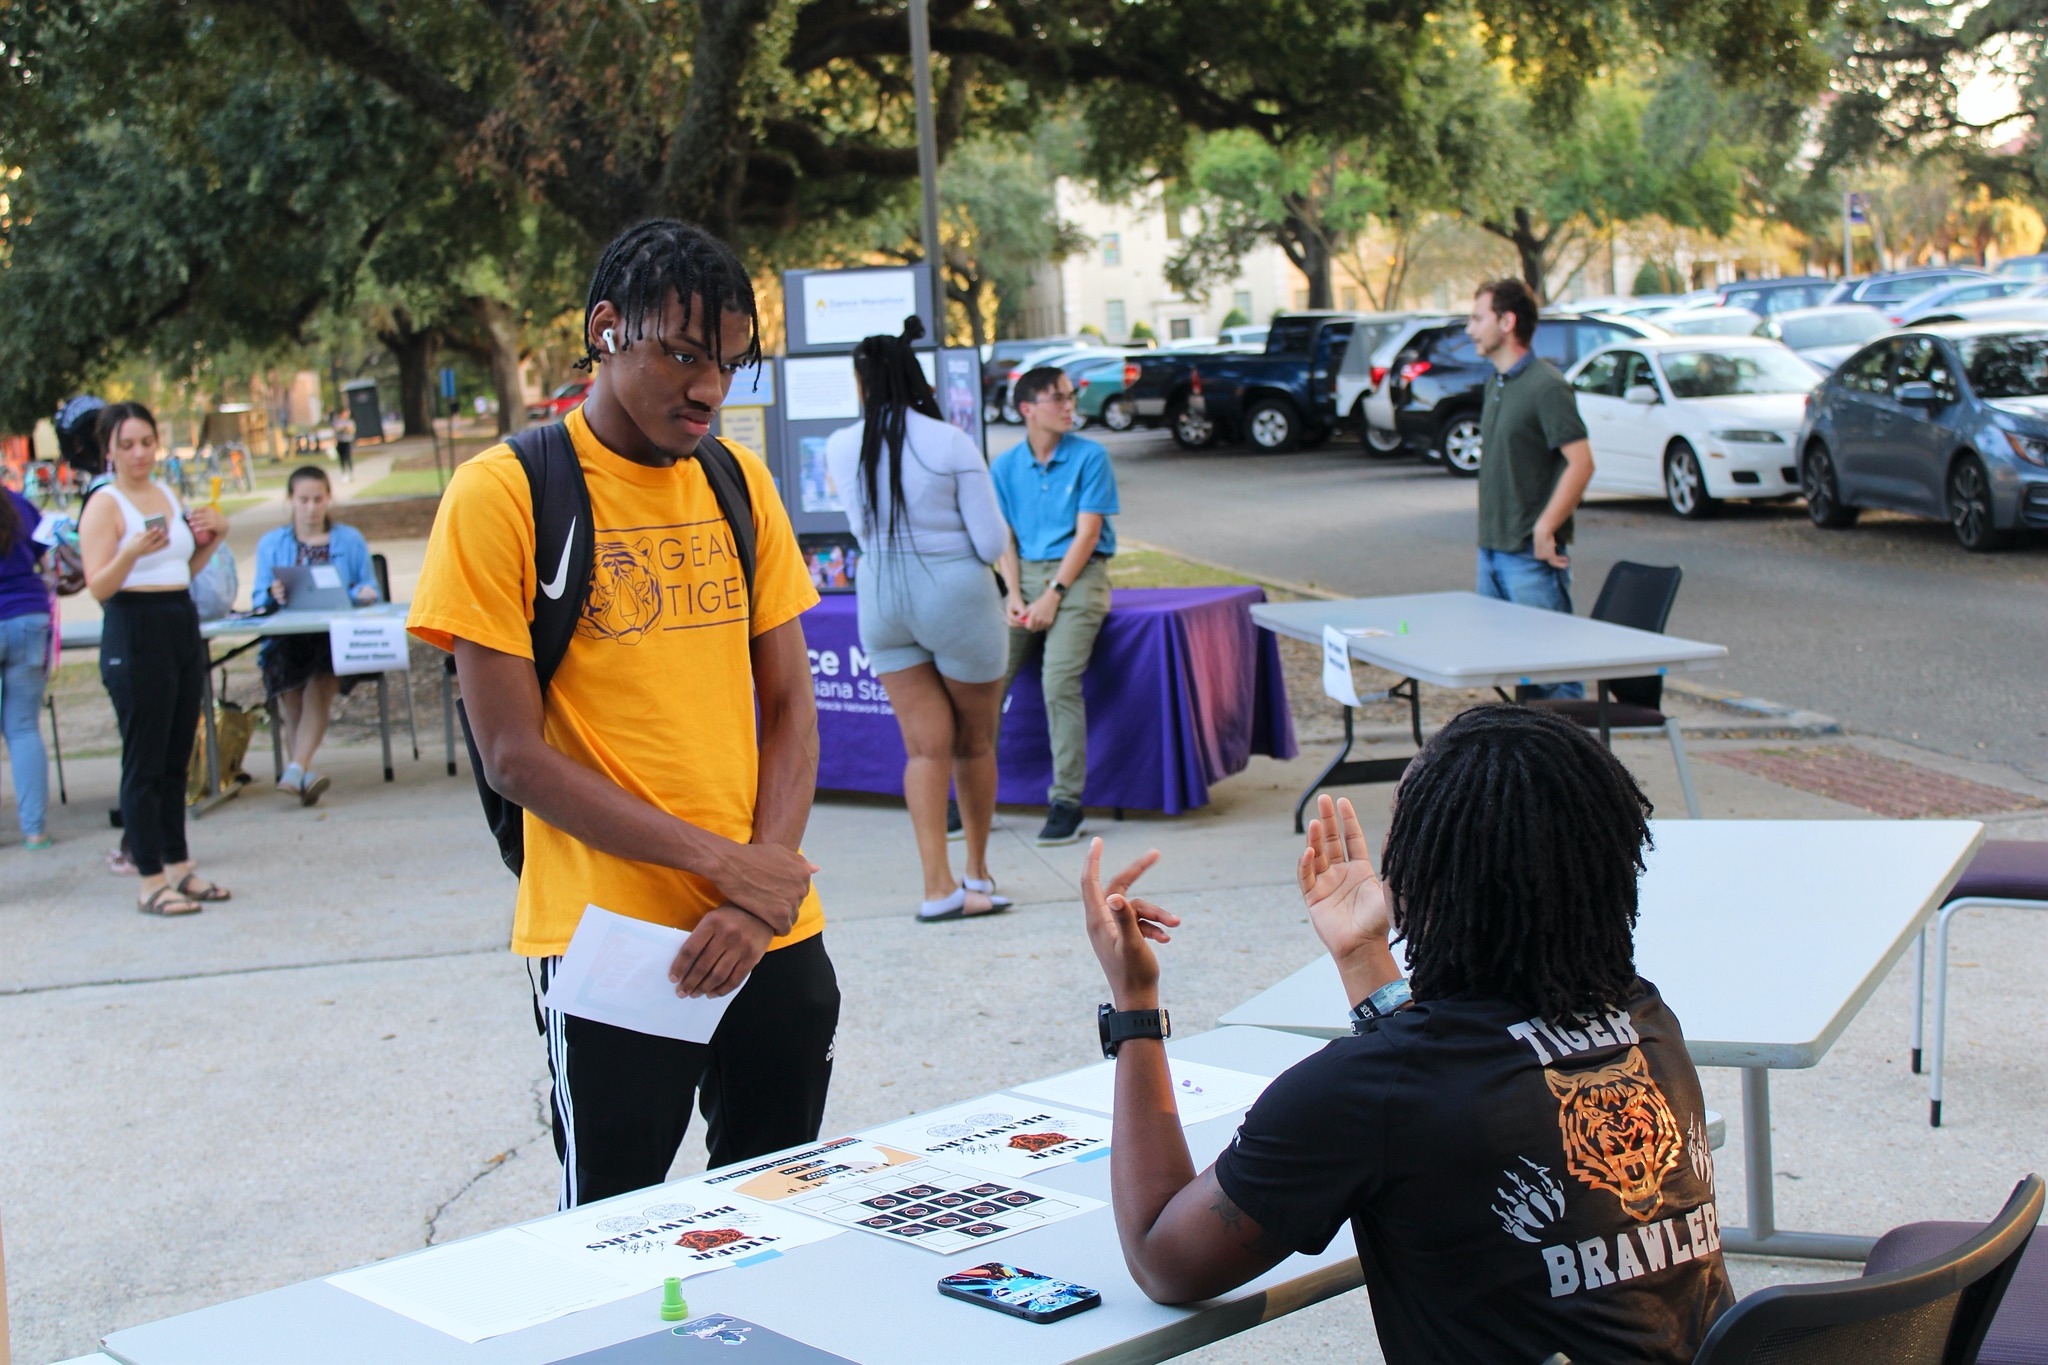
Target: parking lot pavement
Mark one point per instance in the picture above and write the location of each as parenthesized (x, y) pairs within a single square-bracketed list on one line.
[(340, 1064), (1888, 626)]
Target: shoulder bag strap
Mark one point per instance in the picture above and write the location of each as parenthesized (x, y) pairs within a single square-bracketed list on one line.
[(735, 501)]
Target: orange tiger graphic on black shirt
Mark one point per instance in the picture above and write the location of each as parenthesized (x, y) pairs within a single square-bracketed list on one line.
[(1619, 1132)]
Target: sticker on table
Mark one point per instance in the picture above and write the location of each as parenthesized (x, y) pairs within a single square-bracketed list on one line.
[(1001, 1133), (1202, 1091), (921, 1207), (780, 1178), (682, 1229)]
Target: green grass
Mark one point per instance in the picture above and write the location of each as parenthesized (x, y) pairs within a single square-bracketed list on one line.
[(1136, 568), (406, 483)]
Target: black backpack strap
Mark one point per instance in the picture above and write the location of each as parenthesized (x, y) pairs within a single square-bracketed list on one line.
[(735, 501), (564, 541)]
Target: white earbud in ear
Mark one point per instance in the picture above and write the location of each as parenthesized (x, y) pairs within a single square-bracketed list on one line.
[(609, 344)]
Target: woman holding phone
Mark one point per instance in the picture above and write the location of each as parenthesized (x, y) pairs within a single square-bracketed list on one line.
[(298, 670), (141, 548)]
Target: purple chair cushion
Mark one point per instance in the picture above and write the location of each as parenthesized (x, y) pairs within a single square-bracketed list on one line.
[(2006, 869), (1620, 714), (2019, 1330)]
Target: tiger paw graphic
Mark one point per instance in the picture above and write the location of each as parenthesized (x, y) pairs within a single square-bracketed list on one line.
[(1528, 1204), (625, 592), (1619, 1132)]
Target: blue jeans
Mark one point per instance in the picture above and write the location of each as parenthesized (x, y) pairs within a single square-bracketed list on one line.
[(1520, 577), (24, 657)]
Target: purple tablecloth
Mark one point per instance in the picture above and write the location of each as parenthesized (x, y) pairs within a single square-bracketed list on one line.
[(1182, 691)]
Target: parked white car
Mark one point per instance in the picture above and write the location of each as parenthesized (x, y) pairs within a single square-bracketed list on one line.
[(1694, 419)]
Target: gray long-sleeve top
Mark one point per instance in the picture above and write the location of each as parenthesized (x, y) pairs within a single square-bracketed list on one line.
[(949, 504)]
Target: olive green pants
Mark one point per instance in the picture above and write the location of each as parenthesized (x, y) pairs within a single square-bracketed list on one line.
[(1067, 645)]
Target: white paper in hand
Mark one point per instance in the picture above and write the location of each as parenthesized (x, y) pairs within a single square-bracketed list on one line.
[(616, 972)]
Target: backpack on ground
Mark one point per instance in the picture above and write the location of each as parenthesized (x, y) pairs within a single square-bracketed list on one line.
[(564, 544)]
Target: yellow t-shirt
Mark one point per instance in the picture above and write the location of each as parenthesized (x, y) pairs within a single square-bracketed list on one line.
[(656, 691)]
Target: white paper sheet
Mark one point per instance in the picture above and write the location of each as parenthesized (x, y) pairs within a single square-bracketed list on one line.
[(841, 307), (1000, 1133), (616, 972), (1337, 667), (487, 1286), (819, 388), (942, 1206), (681, 1229), (1202, 1091), (372, 646)]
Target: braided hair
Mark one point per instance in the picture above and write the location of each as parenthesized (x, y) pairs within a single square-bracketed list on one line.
[(645, 264), (892, 386), (1512, 861)]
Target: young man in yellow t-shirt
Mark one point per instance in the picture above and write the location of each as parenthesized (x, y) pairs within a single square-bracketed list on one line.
[(647, 791)]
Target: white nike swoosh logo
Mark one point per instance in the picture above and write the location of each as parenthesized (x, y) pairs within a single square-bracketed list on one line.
[(554, 589)]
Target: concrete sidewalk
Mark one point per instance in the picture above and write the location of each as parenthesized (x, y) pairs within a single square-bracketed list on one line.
[(341, 1063)]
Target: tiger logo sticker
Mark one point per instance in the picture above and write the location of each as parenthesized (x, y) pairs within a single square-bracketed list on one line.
[(1619, 1132)]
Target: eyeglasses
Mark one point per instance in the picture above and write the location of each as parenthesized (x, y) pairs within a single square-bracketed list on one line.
[(1064, 400)]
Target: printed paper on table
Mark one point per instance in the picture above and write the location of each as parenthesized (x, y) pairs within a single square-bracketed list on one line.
[(1000, 1133), (943, 1206), (682, 1229), (782, 1177), (1202, 1091), (376, 645)]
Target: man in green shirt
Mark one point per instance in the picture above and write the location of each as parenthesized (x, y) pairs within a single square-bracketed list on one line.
[(1534, 463)]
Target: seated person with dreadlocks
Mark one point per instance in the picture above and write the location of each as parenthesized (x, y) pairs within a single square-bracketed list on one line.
[(1515, 1133)]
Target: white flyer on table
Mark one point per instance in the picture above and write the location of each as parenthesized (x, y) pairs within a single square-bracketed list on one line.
[(1001, 1133), (616, 972), (1202, 1091), (1337, 667), (943, 1206), (681, 1229), (501, 1282), (376, 645)]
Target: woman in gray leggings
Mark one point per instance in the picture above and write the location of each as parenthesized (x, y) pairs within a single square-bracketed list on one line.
[(918, 495)]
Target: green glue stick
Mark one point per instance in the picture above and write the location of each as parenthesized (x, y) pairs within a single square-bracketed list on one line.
[(673, 1306), (1404, 628)]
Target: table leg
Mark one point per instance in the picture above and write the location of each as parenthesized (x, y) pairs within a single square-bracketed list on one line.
[(1606, 739), (1414, 691), (1345, 771), (1763, 1237), (448, 713), (384, 724), (1919, 994)]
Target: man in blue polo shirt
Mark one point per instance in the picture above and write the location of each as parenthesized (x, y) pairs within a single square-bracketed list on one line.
[(1058, 493)]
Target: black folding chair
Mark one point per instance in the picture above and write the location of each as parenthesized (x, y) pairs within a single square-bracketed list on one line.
[(1639, 596), (1933, 1313)]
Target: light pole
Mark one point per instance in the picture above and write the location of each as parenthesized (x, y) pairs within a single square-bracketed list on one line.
[(928, 159)]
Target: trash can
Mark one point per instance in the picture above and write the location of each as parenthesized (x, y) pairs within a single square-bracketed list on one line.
[(364, 409)]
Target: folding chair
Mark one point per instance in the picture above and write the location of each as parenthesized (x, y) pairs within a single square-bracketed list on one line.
[(1637, 595), (2006, 874), (2018, 1334), (1933, 1312)]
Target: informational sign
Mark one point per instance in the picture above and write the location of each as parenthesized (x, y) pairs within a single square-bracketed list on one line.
[(448, 384), (373, 646), (754, 386), (820, 388), (745, 426), (840, 307), (1337, 667)]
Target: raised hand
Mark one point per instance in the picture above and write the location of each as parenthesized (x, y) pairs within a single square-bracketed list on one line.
[(1347, 902), (1122, 930)]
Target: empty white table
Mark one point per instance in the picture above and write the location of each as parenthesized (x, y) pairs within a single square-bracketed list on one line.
[(1765, 937), (860, 1296), (1463, 640)]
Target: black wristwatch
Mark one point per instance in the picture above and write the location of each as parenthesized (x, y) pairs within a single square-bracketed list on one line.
[(1059, 587), (1118, 1027)]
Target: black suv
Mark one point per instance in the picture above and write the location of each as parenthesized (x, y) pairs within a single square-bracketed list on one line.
[(1439, 380)]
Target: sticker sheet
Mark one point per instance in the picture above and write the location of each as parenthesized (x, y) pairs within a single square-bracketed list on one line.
[(681, 1229), (1001, 1133), (776, 1179), (939, 1205)]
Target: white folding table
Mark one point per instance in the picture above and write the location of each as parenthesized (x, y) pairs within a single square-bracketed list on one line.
[(857, 1295), (253, 630), (1765, 937), (1463, 640)]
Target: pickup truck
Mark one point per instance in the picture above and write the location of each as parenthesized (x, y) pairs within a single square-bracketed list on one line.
[(1280, 399)]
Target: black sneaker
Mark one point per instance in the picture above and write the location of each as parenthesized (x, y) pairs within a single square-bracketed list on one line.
[(954, 832), (1062, 825)]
